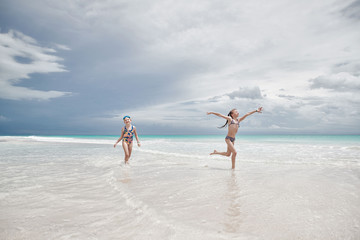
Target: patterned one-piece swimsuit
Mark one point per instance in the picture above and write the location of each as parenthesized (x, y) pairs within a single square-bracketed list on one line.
[(128, 135)]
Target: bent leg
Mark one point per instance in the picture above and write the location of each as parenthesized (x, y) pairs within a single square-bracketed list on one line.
[(230, 149), (227, 153)]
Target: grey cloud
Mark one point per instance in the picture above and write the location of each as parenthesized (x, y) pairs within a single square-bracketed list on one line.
[(164, 49), (242, 93), (251, 93), (289, 97), (352, 67), (214, 99), (342, 82), (62, 47), (189, 103), (352, 10), (3, 118)]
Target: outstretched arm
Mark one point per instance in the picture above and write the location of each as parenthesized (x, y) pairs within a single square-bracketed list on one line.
[(122, 134), (220, 115), (259, 110)]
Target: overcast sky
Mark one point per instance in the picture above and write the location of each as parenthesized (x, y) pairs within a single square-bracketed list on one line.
[(77, 67)]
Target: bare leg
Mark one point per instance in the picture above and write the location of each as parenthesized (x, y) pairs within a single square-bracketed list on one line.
[(233, 153), (233, 158), (230, 151), (130, 149), (127, 150), (227, 153)]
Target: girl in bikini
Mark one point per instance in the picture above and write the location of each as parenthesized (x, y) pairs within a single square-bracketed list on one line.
[(127, 135), (233, 123)]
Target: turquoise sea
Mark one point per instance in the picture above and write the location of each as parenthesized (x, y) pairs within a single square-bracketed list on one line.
[(310, 139), (78, 187)]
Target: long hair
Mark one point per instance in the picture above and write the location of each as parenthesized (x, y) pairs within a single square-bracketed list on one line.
[(229, 114)]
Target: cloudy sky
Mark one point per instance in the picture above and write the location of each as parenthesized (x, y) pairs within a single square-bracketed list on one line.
[(77, 67)]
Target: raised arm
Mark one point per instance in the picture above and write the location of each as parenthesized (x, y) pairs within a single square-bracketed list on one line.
[(220, 115), (259, 110), (122, 134)]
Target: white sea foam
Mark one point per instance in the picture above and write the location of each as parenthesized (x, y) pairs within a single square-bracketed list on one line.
[(52, 139)]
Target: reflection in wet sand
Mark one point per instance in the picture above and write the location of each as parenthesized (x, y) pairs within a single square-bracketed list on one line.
[(125, 174), (233, 213)]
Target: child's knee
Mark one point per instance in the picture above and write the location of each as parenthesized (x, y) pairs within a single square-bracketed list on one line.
[(234, 153), (228, 154)]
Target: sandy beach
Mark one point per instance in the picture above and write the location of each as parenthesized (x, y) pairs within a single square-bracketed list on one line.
[(79, 188)]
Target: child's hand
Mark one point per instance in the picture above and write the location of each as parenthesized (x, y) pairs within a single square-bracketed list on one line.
[(259, 110), (139, 144), (208, 113), (114, 145)]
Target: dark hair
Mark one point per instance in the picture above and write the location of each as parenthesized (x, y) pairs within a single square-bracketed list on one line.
[(229, 114)]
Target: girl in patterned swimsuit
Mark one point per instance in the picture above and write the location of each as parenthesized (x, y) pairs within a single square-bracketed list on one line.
[(127, 135), (233, 123)]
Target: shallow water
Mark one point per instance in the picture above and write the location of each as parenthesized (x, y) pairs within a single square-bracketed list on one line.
[(78, 188)]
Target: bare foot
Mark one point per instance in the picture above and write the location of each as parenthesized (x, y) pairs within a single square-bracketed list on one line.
[(215, 152)]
